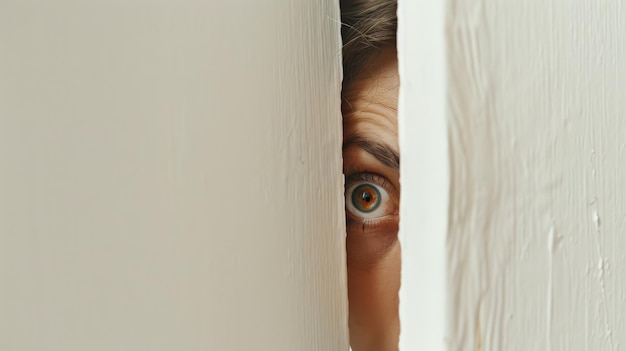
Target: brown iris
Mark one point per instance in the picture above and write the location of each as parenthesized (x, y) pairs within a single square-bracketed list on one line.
[(366, 198)]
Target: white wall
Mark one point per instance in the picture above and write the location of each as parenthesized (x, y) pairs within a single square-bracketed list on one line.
[(538, 205), (170, 176), (536, 251), (424, 174)]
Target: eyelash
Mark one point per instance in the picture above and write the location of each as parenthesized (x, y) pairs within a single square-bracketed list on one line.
[(356, 176)]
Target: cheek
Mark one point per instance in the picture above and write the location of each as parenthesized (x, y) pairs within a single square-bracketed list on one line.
[(373, 295), (366, 247)]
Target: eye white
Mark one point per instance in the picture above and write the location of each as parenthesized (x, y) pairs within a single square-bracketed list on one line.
[(378, 212)]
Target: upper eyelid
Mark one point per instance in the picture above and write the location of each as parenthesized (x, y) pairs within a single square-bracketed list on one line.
[(365, 176), (359, 175)]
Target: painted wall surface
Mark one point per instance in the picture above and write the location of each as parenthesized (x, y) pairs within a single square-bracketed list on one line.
[(537, 130), (424, 174), (170, 176)]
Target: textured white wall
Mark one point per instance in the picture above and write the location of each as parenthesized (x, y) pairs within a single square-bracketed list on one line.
[(537, 251), (170, 176)]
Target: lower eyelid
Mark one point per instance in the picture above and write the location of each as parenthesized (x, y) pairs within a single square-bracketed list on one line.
[(391, 219), (366, 245)]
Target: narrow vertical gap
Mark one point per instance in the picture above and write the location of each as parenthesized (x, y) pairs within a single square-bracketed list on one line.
[(372, 170)]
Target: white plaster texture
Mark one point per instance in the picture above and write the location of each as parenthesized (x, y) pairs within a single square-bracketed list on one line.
[(536, 244), (170, 176)]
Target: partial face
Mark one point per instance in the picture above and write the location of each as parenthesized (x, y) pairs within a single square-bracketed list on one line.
[(371, 167)]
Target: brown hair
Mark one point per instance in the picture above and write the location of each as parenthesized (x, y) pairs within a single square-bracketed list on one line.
[(367, 27)]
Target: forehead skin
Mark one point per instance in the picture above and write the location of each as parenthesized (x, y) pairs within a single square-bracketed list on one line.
[(370, 103)]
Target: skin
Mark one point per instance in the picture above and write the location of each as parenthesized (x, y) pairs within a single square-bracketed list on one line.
[(370, 154)]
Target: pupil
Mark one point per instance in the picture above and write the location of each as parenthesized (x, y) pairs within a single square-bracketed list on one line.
[(367, 197)]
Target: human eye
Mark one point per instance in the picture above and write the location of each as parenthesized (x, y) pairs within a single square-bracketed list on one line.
[(368, 198), (372, 206)]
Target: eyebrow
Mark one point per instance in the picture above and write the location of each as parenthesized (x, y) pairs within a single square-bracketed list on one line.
[(382, 152)]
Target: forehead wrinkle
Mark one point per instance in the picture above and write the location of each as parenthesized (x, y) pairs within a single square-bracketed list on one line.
[(365, 113), (380, 106), (371, 125), (374, 118), (381, 133), (370, 109), (375, 97)]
